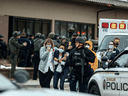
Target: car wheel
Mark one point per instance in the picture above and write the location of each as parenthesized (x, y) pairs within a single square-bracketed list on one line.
[(94, 90)]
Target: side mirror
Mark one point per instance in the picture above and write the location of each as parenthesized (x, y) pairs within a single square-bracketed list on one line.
[(104, 60), (21, 76)]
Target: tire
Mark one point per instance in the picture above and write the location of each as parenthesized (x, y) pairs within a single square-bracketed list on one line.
[(94, 90)]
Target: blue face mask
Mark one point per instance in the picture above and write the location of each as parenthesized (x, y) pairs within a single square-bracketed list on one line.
[(61, 50), (48, 46)]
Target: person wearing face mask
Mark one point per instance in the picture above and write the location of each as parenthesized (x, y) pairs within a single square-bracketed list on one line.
[(111, 52), (46, 64), (59, 62), (116, 43), (79, 59), (89, 45)]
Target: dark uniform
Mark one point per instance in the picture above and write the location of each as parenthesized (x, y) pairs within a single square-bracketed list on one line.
[(13, 47), (31, 51), (3, 48), (24, 51), (36, 58), (79, 59)]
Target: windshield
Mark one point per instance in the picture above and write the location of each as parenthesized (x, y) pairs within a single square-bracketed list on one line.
[(123, 42)]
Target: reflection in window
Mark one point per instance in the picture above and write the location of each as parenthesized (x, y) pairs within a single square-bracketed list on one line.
[(77, 29), (90, 29), (57, 27), (15, 24), (22, 25), (122, 60), (38, 27), (46, 28), (84, 28), (63, 29), (30, 29)]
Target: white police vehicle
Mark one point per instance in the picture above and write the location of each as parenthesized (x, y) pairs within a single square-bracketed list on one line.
[(112, 78)]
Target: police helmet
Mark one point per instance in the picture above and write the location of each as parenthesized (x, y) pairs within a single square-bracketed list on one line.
[(38, 35), (1, 35), (42, 36), (75, 34), (51, 35), (16, 33), (80, 39)]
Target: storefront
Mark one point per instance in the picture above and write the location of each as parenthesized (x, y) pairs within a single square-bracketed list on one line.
[(82, 29), (29, 25), (44, 16)]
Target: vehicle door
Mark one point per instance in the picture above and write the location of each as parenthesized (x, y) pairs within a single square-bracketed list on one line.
[(122, 61), (111, 81)]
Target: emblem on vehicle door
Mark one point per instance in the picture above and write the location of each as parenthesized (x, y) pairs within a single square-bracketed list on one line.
[(104, 84)]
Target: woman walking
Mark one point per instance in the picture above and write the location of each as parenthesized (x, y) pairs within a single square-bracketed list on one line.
[(46, 65)]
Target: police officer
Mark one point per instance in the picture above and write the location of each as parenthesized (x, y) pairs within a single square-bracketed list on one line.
[(13, 47), (3, 48), (79, 58), (24, 51), (70, 31), (31, 50), (35, 58), (71, 44)]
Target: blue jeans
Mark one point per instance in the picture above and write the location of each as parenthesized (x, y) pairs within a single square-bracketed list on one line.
[(56, 78)]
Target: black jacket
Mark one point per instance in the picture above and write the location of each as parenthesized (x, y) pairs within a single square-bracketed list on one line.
[(89, 57)]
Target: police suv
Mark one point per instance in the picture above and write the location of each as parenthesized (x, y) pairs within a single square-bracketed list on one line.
[(112, 78)]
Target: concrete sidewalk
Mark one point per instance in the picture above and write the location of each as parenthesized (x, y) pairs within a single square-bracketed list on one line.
[(35, 84)]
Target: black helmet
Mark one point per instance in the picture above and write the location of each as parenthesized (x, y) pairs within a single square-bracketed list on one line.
[(38, 35), (1, 35), (16, 33), (42, 36), (75, 34), (80, 39)]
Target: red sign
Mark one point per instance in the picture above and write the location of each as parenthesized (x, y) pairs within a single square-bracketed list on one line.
[(104, 25)]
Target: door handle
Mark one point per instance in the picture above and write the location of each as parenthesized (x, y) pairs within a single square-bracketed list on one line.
[(117, 73)]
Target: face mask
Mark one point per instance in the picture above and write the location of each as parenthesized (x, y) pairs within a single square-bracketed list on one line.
[(87, 46), (110, 46), (48, 46), (61, 50)]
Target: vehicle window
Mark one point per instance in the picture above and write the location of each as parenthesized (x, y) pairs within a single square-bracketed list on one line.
[(122, 61), (107, 39)]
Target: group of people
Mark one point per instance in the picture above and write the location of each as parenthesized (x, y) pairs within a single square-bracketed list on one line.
[(56, 57)]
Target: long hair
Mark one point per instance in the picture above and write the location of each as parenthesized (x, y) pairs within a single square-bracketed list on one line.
[(49, 41)]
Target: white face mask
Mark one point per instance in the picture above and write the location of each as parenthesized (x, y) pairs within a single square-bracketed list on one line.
[(110, 46), (87, 46), (61, 50)]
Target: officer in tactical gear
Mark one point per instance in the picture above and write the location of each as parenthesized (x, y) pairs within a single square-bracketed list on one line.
[(35, 58), (78, 59), (3, 48), (70, 31), (71, 44), (13, 47), (24, 51), (31, 50)]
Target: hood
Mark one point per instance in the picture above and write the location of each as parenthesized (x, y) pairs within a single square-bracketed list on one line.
[(90, 43)]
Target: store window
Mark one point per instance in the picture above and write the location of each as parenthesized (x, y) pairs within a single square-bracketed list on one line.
[(29, 25), (86, 30), (57, 28), (90, 32), (63, 29), (30, 29)]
